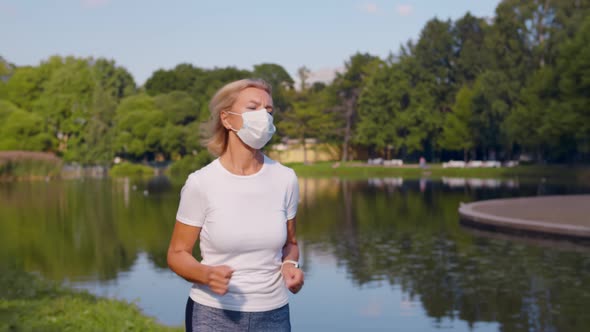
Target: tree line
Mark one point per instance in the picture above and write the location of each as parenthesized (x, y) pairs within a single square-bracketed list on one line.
[(473, 88)]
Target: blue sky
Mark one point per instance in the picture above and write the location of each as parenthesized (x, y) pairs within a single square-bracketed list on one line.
[(144, 36)]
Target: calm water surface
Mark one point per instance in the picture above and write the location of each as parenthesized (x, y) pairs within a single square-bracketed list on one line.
[(381, 254)]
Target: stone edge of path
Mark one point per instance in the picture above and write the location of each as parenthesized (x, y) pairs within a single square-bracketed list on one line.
[(469, 216)]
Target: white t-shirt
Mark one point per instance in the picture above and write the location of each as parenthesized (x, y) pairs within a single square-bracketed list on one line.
[(243, 222)]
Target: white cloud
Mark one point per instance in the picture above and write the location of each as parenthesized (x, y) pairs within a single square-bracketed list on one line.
[(404, 10), (370, 8), (94, 3)]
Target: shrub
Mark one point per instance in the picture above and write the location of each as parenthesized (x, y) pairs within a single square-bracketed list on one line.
[(129, 169), (189, 164)]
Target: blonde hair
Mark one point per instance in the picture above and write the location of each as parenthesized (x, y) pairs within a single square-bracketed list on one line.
[(214, 133)]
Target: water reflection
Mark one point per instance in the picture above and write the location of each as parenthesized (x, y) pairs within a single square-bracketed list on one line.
[(377, 253), (405, 233), (83, 229), (479, 183)]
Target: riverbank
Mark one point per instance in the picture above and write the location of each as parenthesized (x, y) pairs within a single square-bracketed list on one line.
[(28, 165), (23, 165), (361, 170), (29, 303)]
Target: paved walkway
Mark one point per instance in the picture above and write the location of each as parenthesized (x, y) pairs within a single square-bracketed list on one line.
[(559, 215)]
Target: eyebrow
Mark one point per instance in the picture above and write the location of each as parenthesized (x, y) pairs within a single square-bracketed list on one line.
[(257, 103)]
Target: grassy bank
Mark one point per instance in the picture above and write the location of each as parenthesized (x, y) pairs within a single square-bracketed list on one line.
[(129, 169), (27, 165), (359, 170), (28, 303)]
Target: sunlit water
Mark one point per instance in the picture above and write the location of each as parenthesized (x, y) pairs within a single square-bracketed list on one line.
[(379, 254)]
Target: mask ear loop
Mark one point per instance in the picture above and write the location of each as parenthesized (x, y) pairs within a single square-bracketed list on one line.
[(230, 126)]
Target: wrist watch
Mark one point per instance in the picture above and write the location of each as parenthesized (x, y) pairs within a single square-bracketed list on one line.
[(290, 262)]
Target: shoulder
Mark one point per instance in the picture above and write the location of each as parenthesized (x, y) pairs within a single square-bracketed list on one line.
[(202, 175), (279, 169)]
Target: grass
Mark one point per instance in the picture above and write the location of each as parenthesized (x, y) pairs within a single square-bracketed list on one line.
[(129, 169), (29, 303), (360, 170)]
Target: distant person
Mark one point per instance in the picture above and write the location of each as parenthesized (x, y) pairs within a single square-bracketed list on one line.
[(241, 207), (422, 162)]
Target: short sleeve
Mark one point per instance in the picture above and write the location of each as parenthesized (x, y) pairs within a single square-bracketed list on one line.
[(293, 197), (193, 203)]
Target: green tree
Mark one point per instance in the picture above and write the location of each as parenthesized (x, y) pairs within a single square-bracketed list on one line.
[(446, 56), (434, 57), (138, 128), (573, 65), (394, 115), (347, 87), (6, 108), (116, 81), (180, 108), (64, 104), (181, 133), (508, 45), (457, 134), (471, 56), (27, 84), (183, 77), (310, 117), (493, 98), (24, 86), (22, 130), (275, 75), (96, 144)]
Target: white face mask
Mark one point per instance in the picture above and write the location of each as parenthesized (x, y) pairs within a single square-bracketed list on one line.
[(257, 128)]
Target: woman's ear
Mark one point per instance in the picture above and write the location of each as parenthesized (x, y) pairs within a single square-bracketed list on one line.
[(223, 117)]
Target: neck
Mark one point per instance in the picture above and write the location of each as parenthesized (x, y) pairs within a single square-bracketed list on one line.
[(239, 158)]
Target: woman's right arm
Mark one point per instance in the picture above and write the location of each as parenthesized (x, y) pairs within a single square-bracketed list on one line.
[(181, 261)]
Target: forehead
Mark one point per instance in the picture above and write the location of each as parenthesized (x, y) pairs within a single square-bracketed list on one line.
[(254, 94)]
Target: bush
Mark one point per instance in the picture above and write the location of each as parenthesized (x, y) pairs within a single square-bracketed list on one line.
[(189, 164), (28, 165), (129, 169)]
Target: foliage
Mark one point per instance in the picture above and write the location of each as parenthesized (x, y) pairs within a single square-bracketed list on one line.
[(190, 163), (129, 169), (347, 88), (22, 130), (457, 128), (309, 117)]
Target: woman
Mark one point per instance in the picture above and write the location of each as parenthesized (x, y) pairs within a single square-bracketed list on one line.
[(242, 209)]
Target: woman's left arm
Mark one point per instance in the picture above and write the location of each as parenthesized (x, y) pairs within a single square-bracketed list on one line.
[(292, 275)]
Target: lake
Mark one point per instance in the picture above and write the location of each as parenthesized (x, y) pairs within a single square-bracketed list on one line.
[(380, 254)]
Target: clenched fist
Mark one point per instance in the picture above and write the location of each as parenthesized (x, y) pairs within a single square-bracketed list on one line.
[(293, 277), (218, 278)]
